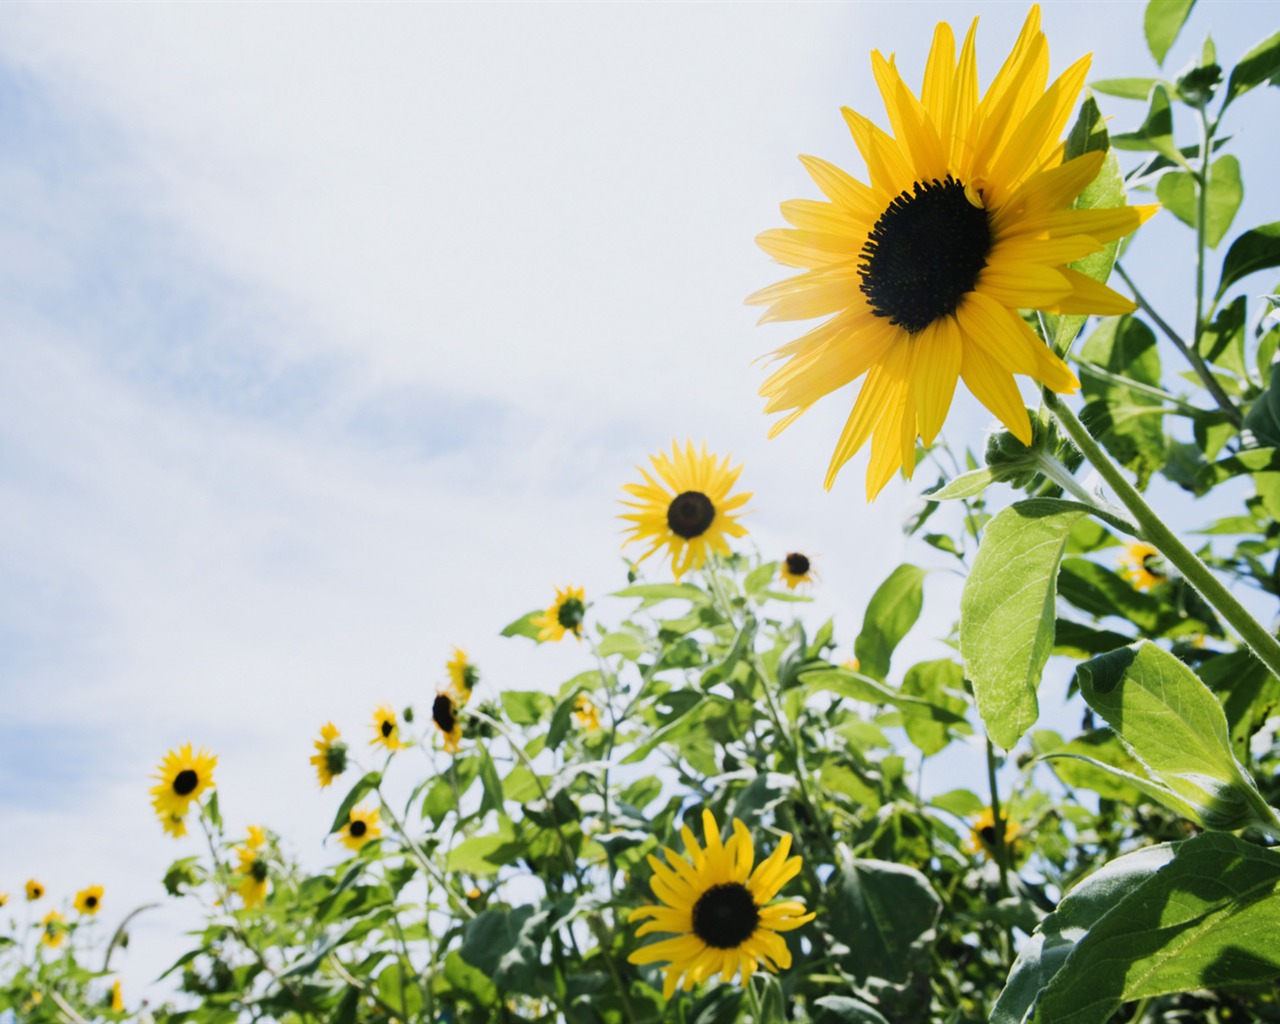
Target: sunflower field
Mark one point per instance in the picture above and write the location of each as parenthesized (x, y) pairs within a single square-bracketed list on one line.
[(719, 817)]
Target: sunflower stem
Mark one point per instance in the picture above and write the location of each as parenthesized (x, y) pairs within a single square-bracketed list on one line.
[(429, 868), (1153, 530)]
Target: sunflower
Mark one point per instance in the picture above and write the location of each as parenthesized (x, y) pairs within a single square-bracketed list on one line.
[(386, 732), (687, 509), (330, 758), (117, 997), (4, 898), (444, 712), (586, 713), (796, 569), (53, 929), (463, 675), (89, 901), (967, 219), (361, 826), (1143, 566), (183, 777), (982, 836), (564, 616), (718, 908), (251, 868), (34, 890)]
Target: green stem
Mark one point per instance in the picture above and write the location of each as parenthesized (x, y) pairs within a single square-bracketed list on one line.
[(420, 856), (997, 822), (1153, 530)]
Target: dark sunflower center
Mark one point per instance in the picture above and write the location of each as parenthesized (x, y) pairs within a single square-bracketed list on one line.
[(335, 758), (987, 834), (725, 916), (1154, 564), (797, 564), (387, 728), (570, 614), (442, 712), (357, 829), (258, 869), (690, 514), (90, 902), (185, 782), (924, 253)]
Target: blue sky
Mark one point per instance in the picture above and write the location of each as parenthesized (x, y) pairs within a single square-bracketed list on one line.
[(331, 332)]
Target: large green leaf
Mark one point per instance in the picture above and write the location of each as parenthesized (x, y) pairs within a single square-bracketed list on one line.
[(1007, 611), (1156, 132), (1177, 190), (1162, 22), (507, 944), (1174, 726), (871, 691), (892, 611), (1258, 249), (941, 683), (1054, 940), (1263, 417), (1207, 919), (1261, 64)]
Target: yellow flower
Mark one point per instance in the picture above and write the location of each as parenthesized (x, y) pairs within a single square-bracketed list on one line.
[(967, 220), (444, 712), (53, 929), (4, 898), (330, 758), (183, 777), (386, 733), (361, 827), (34, 890), (463, 675), (1143, 566), (796, 569), (982, 837), (564, 616), (719, 909), (89, 901), (117, 997), (586, 713), (685, 506), (251, 868)]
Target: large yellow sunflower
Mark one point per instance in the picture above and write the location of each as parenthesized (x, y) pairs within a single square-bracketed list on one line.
[(687, 509), (251, 868), (463, 675), (718, 908), (966, 220), (330, 758), (362, 825), (1143, 566), (564, 616), (183, 776), (386, 730), (89, 901)]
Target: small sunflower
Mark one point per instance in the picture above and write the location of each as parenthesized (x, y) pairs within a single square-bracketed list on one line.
[(34, 890), (361, 827), (444, 712), (386, 731), (53, 929), (564, 616), (1143, 566), (796, 569), (967, 220), (718, 908), (685, 506), (330, 758), (586, 713), (463, 676), (251, 868), (183, 777), (982, 836), (89, 901), (4, 898), (117, 997)]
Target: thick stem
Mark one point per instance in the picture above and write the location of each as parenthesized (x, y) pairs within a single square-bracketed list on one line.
[(1153, 530)]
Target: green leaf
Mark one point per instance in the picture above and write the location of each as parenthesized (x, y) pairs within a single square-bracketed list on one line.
[(1261, 64), (1177, 190), (871, 691), (1077, 763), (884, 911), (1162, 22), (845, 1010), (1156, 131), (485, 855), (370, 781), (524, 626), (892, 611), (760, 577), (1125, 419), (507, 945), (561, 719), (1223, 341), (941, 683), (460, 977), (1208, 919), (626, 644), (489, 781), (1125, 88), (1263, 418), (1174, 726), (1042, 957), (526, 707), (397, 986), (1096, 589), (1257, 249), (1007, 611), (653, 593), (966, 485), (1081, 641)]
